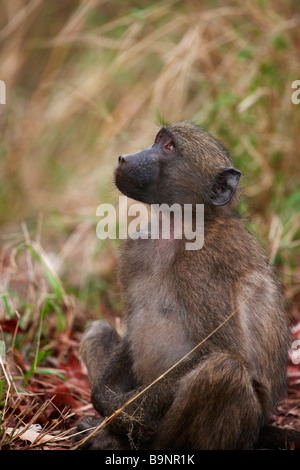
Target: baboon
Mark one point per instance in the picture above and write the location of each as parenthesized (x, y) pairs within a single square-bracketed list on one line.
[(222, 393)]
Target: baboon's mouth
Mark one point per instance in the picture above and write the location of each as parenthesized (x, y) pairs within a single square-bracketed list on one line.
[(120, 176)]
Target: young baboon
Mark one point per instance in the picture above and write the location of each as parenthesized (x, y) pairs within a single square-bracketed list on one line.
[(220, 395)]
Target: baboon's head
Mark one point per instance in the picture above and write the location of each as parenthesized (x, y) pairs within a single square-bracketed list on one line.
[(185, 165)]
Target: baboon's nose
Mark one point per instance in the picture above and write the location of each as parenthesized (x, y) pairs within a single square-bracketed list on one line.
[(122, 159)]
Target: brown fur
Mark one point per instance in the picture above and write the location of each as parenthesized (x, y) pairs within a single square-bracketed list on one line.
[(223, 393)]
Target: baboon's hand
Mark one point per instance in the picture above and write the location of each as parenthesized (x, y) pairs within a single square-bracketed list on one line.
[(101, 440)]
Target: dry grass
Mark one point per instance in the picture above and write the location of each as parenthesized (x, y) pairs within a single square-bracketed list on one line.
[(91, 79)]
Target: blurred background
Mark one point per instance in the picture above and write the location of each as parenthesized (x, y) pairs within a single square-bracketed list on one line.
[(89, 80)]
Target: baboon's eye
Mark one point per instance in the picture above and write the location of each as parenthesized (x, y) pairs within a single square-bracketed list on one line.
[(170, 146)]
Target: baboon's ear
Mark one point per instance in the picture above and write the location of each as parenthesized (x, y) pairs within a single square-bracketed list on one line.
[(224, 186)]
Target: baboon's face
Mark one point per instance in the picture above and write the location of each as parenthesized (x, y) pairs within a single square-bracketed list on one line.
[(185, 165), (143, 175)]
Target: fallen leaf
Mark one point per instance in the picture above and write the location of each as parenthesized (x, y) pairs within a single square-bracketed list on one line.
[(31, 435)]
